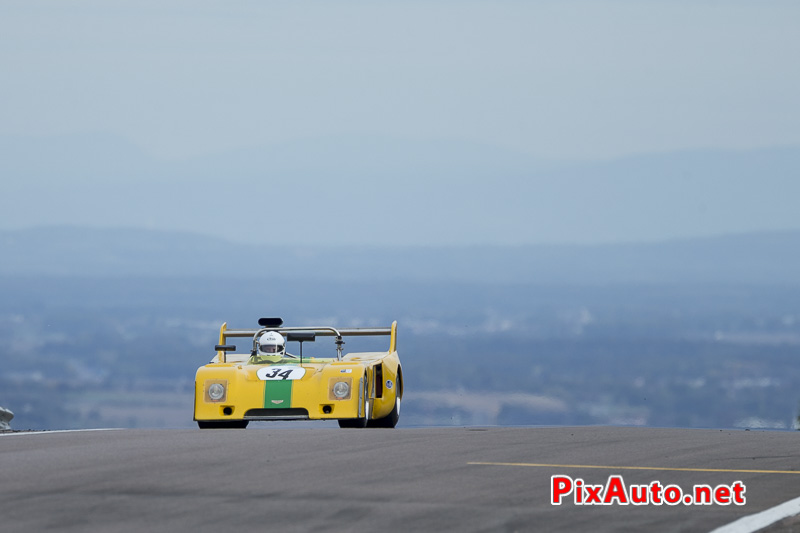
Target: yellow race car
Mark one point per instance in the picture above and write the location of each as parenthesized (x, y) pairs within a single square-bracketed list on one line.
[(268, 383)]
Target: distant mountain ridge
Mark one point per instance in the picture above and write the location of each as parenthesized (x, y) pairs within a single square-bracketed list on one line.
[(770, 257), (390, 191)]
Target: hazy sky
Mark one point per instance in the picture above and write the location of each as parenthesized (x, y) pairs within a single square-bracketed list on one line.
[(574, 81)]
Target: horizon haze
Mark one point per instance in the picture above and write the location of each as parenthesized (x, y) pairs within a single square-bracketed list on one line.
[(409, 123)]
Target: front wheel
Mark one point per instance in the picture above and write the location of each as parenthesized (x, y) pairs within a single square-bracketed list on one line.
[(228, 424), (357, 423), (390, 420)]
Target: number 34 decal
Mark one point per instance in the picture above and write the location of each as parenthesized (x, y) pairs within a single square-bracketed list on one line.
[(280, 372)]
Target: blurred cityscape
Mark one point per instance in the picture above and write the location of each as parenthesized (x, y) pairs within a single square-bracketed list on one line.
[(86, 352)]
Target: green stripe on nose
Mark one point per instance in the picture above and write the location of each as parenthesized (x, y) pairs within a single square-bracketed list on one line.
[(277, 394)]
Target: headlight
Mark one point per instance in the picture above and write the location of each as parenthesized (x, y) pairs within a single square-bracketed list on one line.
[(341, 390), (216, 391)]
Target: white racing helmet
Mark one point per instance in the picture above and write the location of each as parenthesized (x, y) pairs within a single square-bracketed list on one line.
[(271, 343)]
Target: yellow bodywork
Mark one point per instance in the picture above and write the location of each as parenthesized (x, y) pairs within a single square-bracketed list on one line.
[(374, 378)]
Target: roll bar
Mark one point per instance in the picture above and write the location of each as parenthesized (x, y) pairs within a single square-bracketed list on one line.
[(320, 331)]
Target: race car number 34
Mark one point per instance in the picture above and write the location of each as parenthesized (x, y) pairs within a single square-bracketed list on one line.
[(280, 372)]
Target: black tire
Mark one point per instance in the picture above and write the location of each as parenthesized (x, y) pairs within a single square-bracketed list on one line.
[(357, 423), (349, 423), (390, 420), (229, 424)]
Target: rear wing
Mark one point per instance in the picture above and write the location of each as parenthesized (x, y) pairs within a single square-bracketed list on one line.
[(306, 333)]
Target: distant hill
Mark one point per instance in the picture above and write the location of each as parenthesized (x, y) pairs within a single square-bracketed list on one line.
[(334, 191), (74, 251)]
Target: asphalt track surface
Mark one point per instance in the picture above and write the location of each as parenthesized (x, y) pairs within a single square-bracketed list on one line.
[(320, 479)]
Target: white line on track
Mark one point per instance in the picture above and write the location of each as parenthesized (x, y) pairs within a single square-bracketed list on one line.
[(754, 522), (47, 432)]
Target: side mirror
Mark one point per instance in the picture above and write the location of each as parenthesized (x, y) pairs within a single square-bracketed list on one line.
[(302, 336), (224, 347)]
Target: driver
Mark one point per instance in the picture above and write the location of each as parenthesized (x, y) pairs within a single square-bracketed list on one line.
[(272, 345)]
